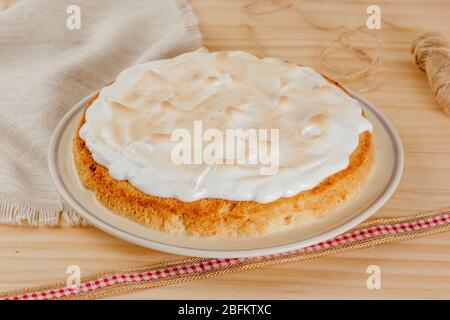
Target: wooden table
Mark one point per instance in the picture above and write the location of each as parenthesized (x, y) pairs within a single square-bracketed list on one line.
[(410, 269)]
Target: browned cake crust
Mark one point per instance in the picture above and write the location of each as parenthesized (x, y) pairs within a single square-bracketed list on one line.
[(218, 217)]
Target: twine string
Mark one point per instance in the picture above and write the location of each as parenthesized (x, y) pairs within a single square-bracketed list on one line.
[(370, 63), (368, 60)]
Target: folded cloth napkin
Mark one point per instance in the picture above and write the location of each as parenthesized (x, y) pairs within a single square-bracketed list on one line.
[(55, 52)]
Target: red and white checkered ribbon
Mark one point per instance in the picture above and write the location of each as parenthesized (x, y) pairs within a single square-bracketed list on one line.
[(207, 265)]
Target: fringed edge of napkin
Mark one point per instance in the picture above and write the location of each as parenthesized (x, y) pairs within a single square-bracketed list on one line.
[(24, 213), (371, 233), (191, 22)]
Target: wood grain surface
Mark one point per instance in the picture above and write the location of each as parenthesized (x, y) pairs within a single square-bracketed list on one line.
[(410, 269)]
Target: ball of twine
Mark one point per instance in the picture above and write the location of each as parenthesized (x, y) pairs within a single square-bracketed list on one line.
[(431, 51)]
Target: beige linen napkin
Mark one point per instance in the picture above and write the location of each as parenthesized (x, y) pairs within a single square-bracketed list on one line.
[(46, 67)]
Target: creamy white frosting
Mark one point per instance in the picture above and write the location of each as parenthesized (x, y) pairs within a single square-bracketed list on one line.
[(128, 126)]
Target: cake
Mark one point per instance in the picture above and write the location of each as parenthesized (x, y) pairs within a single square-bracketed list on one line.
[(318, 145)]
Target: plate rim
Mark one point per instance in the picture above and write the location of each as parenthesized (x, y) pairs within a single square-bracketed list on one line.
[(394, 180)]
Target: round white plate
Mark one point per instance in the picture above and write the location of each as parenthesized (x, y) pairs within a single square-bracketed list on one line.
[(382, 182)]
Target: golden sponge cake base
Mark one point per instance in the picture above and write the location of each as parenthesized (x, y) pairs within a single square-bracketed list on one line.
[(219, 217)]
